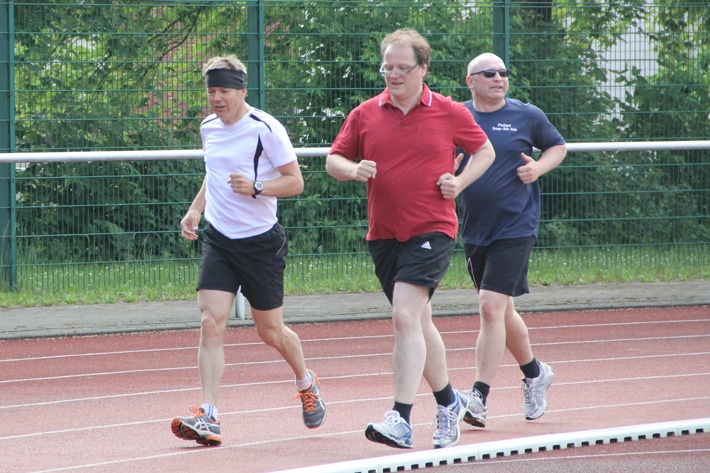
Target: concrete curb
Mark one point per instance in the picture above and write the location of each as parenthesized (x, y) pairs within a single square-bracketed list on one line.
[(62, 321)]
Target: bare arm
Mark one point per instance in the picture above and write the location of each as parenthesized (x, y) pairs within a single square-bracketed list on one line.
[(191, 220), (549, 160), (343, 169), (288, 184)]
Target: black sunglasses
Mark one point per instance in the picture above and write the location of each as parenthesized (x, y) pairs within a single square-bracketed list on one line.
[(490, 73)]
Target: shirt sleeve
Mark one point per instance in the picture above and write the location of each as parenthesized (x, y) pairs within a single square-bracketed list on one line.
[(277, 145), (545, 134), (347, 142), (470, 136)]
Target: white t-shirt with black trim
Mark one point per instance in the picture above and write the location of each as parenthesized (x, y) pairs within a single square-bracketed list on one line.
[(233, 148)]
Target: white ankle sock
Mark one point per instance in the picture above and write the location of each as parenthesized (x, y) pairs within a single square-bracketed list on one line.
[(210, 410), (302, 384)]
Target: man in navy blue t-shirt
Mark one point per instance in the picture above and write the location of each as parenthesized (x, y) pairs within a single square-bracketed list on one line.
[(501, 212)]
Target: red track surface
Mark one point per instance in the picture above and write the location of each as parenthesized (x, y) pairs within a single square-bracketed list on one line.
[(104, 403)]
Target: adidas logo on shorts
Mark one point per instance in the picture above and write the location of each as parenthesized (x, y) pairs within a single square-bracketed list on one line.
[(426, 245)]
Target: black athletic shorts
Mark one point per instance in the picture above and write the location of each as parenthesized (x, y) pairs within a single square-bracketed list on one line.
[(421, 261), (501, 266), (256, 264)]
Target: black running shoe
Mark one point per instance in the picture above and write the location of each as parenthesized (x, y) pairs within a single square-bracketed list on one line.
[(201, 428), (313, 405)]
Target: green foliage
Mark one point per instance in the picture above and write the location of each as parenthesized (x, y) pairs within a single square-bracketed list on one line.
[(96, 77), (127, 75), (647, 198), (104, 210), (323, 57)]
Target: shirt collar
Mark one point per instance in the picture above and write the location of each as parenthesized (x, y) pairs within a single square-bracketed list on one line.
[(425, 100)]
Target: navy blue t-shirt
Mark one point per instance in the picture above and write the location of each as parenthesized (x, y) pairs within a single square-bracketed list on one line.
[(498, 205)]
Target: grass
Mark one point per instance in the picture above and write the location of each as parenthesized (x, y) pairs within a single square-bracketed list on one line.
[(65, 284)]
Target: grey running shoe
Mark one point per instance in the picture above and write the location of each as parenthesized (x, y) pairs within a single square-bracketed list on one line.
[(476, 411), (312, 403), (535, 392), (447, 433), (200, 427), (393, 431)]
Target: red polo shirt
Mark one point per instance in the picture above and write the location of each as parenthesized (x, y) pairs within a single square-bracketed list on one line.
[(411, 151)]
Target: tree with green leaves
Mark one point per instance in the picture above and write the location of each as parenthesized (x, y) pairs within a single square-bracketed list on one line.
[(97, 76)]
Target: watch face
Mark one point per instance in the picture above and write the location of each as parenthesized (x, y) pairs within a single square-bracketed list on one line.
[(258, 186)]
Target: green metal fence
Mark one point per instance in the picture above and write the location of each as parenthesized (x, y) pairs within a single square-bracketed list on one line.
[(92, 76)]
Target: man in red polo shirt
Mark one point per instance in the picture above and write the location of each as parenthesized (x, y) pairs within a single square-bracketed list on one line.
[(402, 144)]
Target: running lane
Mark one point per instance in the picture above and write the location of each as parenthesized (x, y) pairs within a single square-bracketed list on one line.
[(104, 403)]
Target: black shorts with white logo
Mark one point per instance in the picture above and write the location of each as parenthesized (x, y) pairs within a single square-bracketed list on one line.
[(254, 264), (420, 261)]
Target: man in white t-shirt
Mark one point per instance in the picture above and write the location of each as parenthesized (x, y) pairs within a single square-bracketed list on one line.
[(249, 162)]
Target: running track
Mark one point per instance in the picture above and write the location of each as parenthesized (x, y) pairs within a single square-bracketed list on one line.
[(104, 403)]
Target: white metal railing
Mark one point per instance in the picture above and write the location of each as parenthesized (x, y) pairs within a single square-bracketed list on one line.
[(147, 155)]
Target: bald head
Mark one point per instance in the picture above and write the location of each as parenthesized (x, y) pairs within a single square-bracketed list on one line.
[(485, 61)]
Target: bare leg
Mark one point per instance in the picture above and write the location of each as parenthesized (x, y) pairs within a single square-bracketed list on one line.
[(272, 330), (490, 346), (409, 354), (517, 338), (435, 371), (214, 309)]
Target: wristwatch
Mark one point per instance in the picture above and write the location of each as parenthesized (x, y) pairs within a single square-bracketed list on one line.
[(258, 187)]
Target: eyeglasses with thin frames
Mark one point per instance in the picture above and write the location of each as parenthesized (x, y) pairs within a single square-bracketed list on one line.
[(490, 73), (387, 71)]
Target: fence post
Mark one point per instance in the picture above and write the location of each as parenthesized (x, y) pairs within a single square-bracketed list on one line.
[(8, 256), (255, 54), (255, 85), (239, 305), (501, 30)]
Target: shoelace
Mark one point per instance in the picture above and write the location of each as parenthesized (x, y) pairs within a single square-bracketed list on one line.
[(529, 391), (444, 418), (309, 399), (391, 419), (476, 398), (198, 412)]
